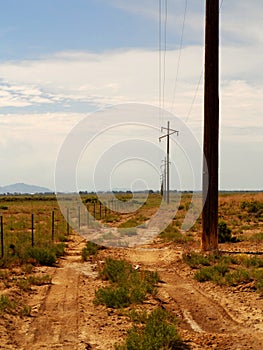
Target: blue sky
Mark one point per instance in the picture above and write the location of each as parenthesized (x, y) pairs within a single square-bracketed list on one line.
[(63, 59)]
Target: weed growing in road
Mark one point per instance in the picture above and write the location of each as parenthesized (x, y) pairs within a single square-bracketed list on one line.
[(172, 234), (196, 260), (153, 332), (128, 286), (26, 283), (90, 250), (6, 305)]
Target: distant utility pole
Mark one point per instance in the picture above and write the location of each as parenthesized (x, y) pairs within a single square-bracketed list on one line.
[(211, 128), (163, 178), (169, 133)]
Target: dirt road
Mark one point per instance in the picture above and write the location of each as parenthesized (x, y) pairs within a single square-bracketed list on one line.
[(64, 316)]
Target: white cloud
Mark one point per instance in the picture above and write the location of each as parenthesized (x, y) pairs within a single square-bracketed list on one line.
[(132, 76), (15, 95)]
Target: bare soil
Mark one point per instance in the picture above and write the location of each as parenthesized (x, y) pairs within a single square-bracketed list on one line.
[(64, 316)]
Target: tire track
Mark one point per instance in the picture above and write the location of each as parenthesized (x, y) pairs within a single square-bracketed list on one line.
[(204, 316), (56, 323)]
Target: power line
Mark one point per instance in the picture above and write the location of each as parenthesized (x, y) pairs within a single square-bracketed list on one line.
[(195, 95), (180, 52), (160, 52), (198, 84), (164, 51)]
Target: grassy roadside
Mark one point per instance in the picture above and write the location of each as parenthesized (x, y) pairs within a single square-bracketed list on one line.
[(227, 270)]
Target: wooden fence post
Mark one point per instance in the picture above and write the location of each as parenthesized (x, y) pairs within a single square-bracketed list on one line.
[(87, 215), (94, 210), (53, 224), (79, 218), (2, 236), (67, 221), (32, 230), (100, 210)]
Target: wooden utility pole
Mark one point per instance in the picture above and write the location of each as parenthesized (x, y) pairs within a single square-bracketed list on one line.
[(211, 128)]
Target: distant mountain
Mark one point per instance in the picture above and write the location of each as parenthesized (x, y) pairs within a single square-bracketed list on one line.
[(23, 188)]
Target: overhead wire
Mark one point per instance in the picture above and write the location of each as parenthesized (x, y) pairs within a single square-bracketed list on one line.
[(160, 52), (179, 56), (164, 52), (198, 84)]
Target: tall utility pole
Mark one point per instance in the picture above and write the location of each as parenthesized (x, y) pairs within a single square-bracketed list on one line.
[(169, 133), (211, 128)]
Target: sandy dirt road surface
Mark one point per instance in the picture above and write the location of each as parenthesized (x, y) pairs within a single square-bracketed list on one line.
[(64, 316)]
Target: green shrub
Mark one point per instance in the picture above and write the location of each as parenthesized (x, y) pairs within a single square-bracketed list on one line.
[(208, 274), (258, 275), (195, 260), (116, 270), (59, 249), (256, 237), (113, 297), (90, 249), (172, 234), (224, 233), (43, 256), (129, 286), (25, 311), (158, 332), (128, 231), (238, 277), (6, 305)]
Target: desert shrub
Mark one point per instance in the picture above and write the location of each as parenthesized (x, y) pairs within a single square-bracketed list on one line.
[(90, 249), (128, 286), (157, 332), (212, 273), (6, 305), (25, 310), (62, 238), (256, 237), (253, 207), (59, 249), (224, 233), (116, 270), (172, 234), (195, 260), (43, 256), (128, 231), (238, 277), (133, 222), (113, 297), (258, 275)]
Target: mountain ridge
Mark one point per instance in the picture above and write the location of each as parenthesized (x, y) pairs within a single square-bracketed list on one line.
[(23, 188)]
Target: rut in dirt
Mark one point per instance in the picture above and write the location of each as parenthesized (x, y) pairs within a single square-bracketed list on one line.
[(56, 325), (205, 316)]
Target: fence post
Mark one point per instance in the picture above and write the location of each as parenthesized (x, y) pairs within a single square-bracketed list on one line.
[(79, 218), (100, 210), (53, 224), (32, 230), (94, 210), (67, 221), (87, 215), (2, 236)]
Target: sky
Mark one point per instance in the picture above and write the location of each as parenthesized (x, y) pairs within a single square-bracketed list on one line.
[(65, 64)]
